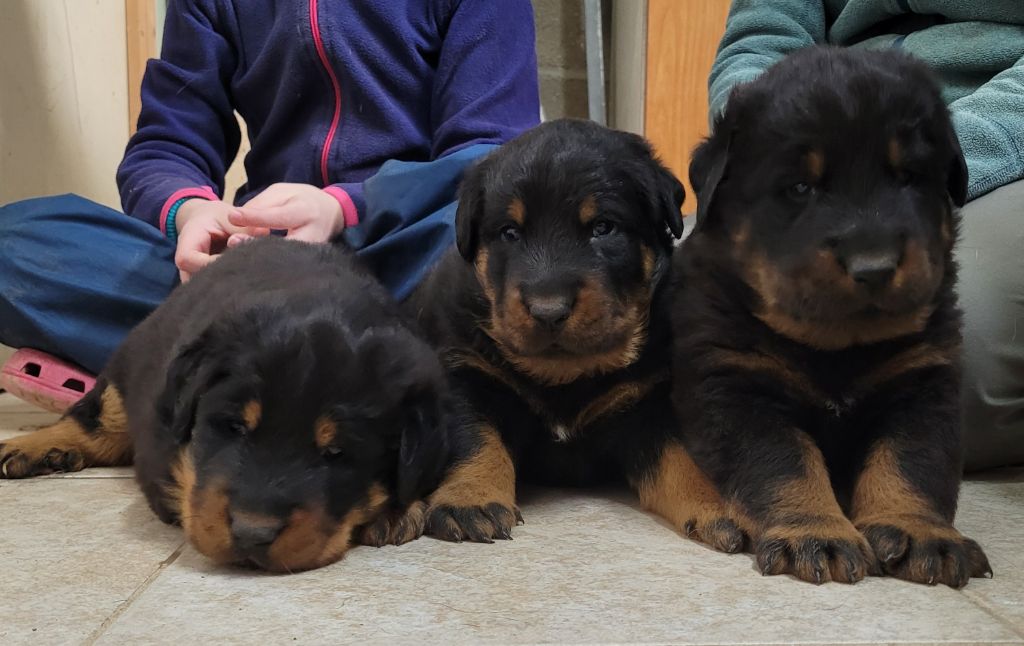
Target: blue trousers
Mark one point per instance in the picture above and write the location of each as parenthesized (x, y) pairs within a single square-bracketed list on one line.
[(76, 277)]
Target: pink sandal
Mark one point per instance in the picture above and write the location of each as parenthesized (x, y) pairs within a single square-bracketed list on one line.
[(44, 380)]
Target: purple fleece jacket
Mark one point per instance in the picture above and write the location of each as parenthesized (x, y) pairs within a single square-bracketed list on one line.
[(329, 91)]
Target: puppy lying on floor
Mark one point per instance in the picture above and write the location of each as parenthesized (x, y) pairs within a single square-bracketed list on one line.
[(817, 331), (553, 319), (278, 406)]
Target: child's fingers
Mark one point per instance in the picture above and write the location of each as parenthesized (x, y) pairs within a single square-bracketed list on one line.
[(274, 217), (307, 234), (237, 239), (192, 261), (193, 246)]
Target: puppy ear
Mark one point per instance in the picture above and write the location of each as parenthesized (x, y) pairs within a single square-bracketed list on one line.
[(470, 210), (411, 369), (707, 168), (956, 180), (188, 376), (669, 196), (423, 448)]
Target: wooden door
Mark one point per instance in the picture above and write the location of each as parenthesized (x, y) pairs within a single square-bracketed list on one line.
[(682, 37)]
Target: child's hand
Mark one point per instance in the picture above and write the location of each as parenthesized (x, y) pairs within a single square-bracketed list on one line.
[(305, 211), (203, 232)]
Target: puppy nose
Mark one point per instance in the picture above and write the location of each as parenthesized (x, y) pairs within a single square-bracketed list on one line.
[(550, 311), (873, 271), (254, 538)]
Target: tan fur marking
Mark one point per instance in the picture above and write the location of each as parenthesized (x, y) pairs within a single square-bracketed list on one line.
[(588, 210), (480, 266), (916, 267), (310, 541), (848, 333), (918, 357), (206, 520), (679, 492), (566, 369), (486, 477), (617, 398), (252, 413), (883, 496), (325, 431), (112, 418), (179, 493), (815, 161), (812, 493), (647, 256), (895, 153), (775, 289), (775, 366), (590, 322), (517, 211)]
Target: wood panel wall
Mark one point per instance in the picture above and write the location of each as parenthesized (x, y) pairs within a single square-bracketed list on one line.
[(682, 37), (140, 38)]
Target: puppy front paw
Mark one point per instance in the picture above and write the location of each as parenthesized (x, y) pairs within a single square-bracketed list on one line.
[(924, 550), (395, 526), (476, 523), (816, 549), (23, 457), (720, 532)]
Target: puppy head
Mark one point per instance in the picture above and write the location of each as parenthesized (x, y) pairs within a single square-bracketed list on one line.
[(294, 435), (831, 182), (569, 228)]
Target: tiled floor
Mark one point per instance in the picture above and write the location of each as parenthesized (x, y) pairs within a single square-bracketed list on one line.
[(83, 561)]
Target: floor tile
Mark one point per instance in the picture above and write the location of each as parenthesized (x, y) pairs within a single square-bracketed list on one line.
[(992, 512), (71, 555), (585, 568)]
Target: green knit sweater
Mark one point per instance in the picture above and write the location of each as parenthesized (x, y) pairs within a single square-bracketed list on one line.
[(976, 47)]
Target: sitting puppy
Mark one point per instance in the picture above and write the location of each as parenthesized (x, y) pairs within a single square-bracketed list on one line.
[(817, 332), (553, 320), (276, 406)]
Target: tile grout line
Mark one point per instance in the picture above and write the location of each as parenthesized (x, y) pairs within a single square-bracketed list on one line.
[(979, 602), (136, 593)]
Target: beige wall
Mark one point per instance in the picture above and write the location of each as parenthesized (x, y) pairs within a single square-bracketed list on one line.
[(63, 98)]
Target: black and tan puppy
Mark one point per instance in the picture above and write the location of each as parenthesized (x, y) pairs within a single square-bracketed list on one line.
[(278, 406), (817, 331), (554, 322)]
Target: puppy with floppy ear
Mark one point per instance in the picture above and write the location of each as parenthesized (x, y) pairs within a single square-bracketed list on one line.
[(553, 320), (278, 406), (817, 330)]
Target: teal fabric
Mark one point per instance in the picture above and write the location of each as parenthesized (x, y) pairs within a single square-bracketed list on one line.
[(976, 48)]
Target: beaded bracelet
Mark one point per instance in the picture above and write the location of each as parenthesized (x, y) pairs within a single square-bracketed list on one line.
[(171, 224)]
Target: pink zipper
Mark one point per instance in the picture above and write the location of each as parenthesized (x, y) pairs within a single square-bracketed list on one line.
[(314, 23)]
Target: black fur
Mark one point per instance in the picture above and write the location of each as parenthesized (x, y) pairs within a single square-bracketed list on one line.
[(553, 172), (787, 310), (305, 332)]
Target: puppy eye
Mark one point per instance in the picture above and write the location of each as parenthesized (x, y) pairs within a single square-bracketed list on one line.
[(510, 233), (800, 191), (331, 451), (237, 427), (602, 228)]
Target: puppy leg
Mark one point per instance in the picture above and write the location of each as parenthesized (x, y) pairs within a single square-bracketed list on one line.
[(676, 489), (803, 529), (776, 477), (905, 496), (476, 500), (93, 433)]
